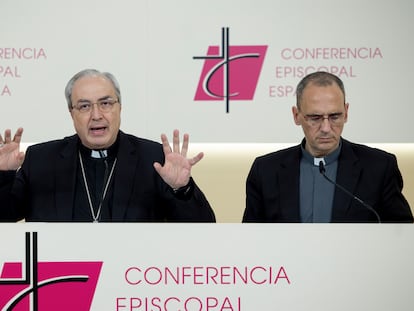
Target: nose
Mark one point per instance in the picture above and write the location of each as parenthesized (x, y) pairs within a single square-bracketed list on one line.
[(95, 111), (325, 125)]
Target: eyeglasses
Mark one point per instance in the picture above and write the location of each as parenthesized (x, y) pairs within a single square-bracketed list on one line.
[(104, 105), (335, 119)]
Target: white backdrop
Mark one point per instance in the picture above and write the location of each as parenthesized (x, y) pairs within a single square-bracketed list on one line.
[(150, 45)]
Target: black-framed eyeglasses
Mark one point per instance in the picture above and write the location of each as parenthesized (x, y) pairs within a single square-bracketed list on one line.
[(335, 119), (104, 105)]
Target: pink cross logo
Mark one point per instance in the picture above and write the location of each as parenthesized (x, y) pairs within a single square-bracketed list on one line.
[(230, 72), (47, 286)]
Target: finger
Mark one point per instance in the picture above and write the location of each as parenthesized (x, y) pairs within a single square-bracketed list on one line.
[(1, 137), (176, 141), (7, 136), (18, 135), (184, 148), (165, 144), (157, 167), (197, 158)]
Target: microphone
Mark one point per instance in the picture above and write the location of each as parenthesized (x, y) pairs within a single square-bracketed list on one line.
[(322, 171)]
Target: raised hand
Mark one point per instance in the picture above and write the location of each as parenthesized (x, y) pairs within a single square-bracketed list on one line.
[(11, 158), (176, 171)]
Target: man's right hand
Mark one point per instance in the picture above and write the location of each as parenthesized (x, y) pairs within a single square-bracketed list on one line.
[(11, 158)]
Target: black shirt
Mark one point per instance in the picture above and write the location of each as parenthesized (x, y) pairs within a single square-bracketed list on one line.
[(97, 166)]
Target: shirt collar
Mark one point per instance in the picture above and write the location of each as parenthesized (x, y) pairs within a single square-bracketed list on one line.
[(111, 152), (328, 159)]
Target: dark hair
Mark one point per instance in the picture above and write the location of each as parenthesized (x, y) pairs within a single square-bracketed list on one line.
[(319, 78), (90, 72)]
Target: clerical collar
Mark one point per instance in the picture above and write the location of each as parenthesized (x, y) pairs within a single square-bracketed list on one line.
[(328, 159), (111, 152), (99, 154)]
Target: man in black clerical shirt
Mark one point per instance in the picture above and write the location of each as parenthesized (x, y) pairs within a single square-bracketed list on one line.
[(100, 173)]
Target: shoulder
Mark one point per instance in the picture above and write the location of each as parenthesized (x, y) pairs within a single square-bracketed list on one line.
[(139, 141), (141, 147), (52, 144), (366, 152), (271, 163), (282, 155)]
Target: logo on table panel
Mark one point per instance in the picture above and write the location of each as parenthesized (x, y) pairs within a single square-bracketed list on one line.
[(230, 72), (47, 286)]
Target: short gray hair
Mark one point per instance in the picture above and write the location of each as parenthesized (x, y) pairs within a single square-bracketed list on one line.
[(90, 72), (319, 78)]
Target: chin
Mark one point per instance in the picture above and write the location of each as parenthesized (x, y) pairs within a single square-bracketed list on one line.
[(97, 145)]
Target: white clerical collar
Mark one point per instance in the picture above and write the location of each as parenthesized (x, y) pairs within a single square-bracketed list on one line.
[(98, 154), (317, 160)]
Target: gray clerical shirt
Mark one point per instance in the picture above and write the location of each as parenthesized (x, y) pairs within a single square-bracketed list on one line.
[(317, 193)]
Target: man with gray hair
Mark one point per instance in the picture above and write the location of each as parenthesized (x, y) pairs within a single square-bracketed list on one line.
[(326, 178), (100, 174)]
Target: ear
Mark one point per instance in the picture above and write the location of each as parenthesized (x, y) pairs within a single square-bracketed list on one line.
[(71, 112), (346, 111), (295, 113)]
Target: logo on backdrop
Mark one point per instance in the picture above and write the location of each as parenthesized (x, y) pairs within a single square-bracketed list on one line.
[(47, 286), (230, 72)]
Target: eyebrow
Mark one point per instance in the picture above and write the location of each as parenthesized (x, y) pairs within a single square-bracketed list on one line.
[(82, 100), (323, 114)]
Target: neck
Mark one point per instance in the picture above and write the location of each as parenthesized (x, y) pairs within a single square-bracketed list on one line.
[(99, 153)]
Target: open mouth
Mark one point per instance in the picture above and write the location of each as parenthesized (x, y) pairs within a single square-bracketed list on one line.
[(97, 130)]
